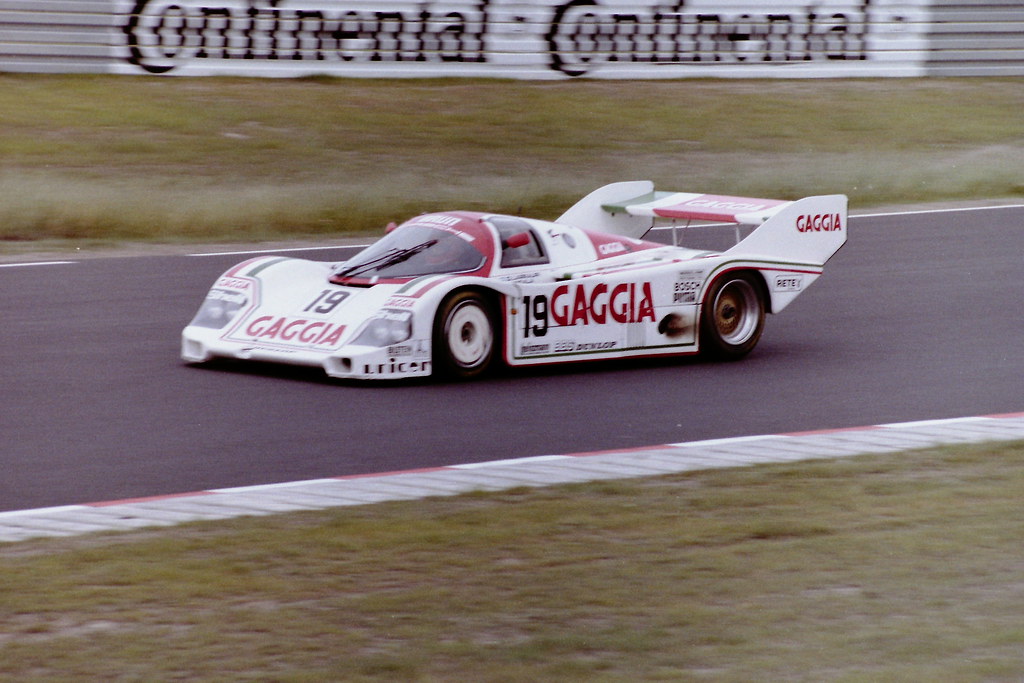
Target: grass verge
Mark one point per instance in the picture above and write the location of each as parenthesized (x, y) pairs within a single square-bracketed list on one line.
[(876, 568), (106, 157)]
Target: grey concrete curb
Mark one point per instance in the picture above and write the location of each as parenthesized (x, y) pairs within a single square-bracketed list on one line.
[(546, 470)]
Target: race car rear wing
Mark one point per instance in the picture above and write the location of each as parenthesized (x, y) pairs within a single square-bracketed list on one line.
[(808, 230), (700, 207)]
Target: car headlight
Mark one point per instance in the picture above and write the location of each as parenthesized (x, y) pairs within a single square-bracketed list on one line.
[(219, 308), (387, 328)]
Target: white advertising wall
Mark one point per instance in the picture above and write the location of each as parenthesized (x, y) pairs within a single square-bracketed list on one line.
[(529, 39)]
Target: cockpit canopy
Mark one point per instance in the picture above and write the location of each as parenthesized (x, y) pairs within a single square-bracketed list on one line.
[(426, 245)]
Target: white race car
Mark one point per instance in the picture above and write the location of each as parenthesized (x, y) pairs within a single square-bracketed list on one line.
[(454, 293)]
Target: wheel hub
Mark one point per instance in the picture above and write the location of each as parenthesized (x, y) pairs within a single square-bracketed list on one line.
[(735, 312), (466, 342)]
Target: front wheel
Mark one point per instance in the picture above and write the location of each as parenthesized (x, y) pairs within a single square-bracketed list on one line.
[(732, 318), (464, 338)]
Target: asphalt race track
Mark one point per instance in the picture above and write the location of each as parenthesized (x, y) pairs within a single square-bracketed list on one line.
[(918, 317)]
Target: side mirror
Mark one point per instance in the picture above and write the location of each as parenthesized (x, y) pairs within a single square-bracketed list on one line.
[(520, 239), (390, 228)]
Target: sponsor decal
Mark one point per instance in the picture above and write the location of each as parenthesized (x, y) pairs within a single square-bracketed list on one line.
[(582, 304), (294, 331), (398, 367), (732, 206), (237, 283), (610, 248), (525, 278), (570, 346), (400, 302), (787, 283), (400, 350), (580, 347), (393, 316), (626, 302), (822, 222), (686, 291), (534, 349), (233, 297)]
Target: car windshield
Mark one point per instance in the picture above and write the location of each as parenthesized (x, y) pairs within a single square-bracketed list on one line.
[(412, 251)]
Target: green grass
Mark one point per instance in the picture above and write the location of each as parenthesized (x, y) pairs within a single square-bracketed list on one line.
[(163, 159), (877, 568)]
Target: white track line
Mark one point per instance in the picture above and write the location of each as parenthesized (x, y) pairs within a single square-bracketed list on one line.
[(278, 251), (37, 263)]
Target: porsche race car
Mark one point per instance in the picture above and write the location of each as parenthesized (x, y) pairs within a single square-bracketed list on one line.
[(457, 292)]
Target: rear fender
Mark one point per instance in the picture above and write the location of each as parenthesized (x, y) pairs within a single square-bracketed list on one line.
[(809, 231)]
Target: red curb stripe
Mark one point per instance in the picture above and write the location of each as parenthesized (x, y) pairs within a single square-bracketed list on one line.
[(831, 431), (586, 454), (148, 499), (389, 474)]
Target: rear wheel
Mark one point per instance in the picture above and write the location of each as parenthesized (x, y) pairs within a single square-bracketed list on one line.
[(732, 318), (464, 337)]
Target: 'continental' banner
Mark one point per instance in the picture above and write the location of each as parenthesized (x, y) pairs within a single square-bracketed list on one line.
[(600, 38), (533, 39)]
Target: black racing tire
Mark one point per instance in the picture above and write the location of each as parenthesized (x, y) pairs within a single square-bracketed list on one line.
[(465, 336), (732, 317)]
